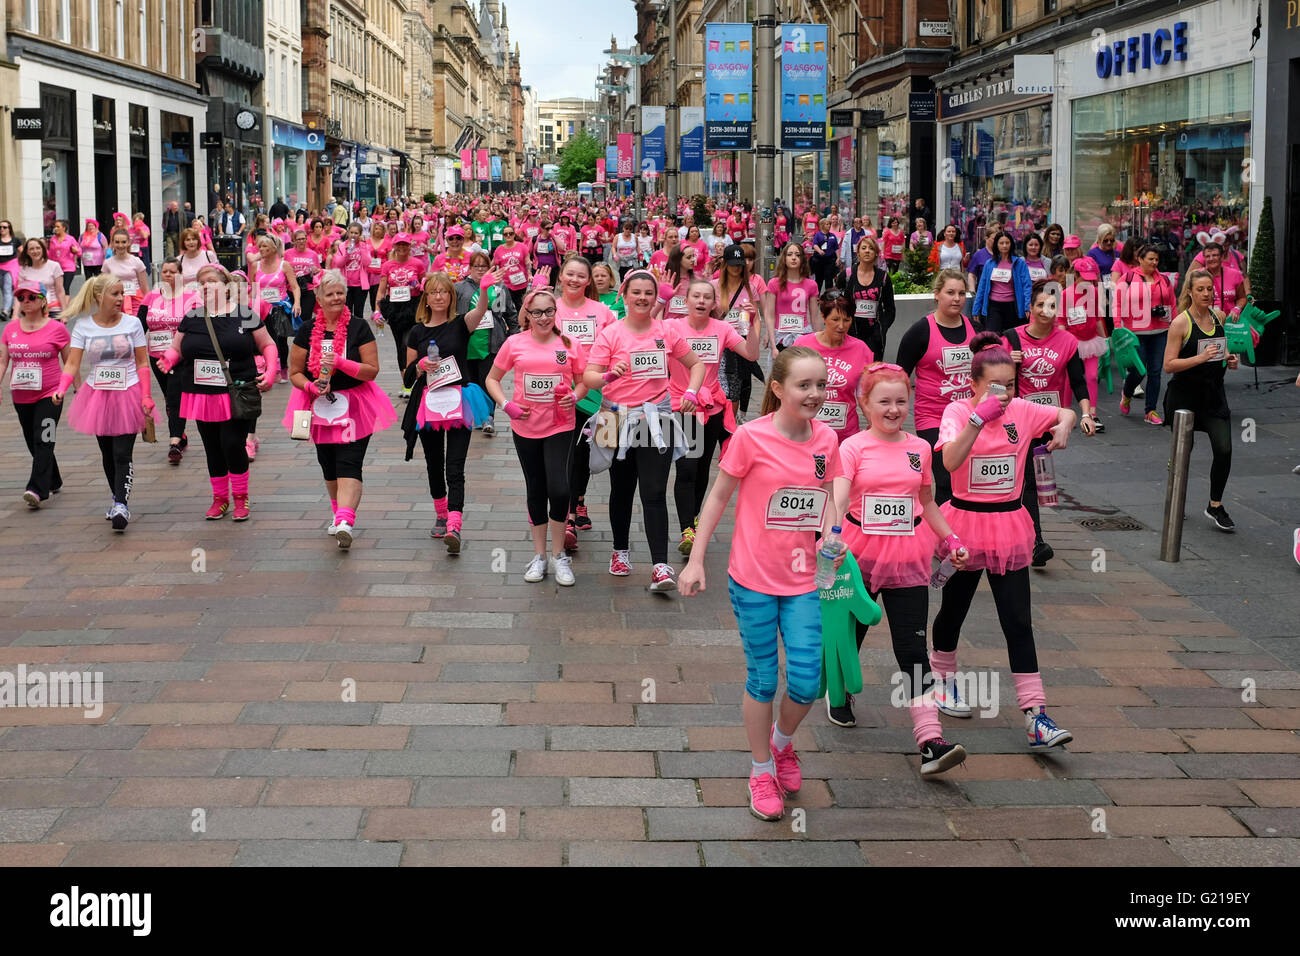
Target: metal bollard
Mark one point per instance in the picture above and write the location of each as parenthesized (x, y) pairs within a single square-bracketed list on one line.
[(1180, 453)]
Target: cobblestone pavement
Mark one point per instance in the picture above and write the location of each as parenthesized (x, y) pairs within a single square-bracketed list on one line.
[(497, 722)]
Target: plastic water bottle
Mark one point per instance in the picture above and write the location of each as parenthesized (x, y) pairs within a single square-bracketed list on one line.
[(942, 573), (1045, 476), (433, 353), (832, 547)]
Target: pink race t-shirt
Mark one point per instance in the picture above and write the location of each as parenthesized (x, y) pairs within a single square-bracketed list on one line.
[(781, 504), (792, 318), (62, 252), (674, 299), (512, 263), (403, 275), (457, 268), (163, 316), (844, 368), (994, 469), (539, 367), (582, 323), (34, 363), (878, 468), (647, 354), (1044, 376), (305, 265), (708, 344)]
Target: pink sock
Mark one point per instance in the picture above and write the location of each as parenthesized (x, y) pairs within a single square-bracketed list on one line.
[(925, 720), (346, 514), (1029, 690), (239, 484), (220, 487), (334, 508), (440, 506), (943, 662), (453, 521)]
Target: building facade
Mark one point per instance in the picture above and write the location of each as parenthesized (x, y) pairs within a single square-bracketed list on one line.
[(347, 112), (287, 140), (230, 65), (417, 48), (114, 86), (383, 67), (316, 101)]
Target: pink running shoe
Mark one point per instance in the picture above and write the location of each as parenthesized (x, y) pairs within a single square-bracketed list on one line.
[(788, 773), (618, 564), (765, 800), (1153, 419)]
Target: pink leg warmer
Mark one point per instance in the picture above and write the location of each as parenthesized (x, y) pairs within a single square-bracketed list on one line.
[(943, 663), (346, 514), (925, 720), (239, 484), (440, 506), (220, 487), (1029, 690), (453, 521)]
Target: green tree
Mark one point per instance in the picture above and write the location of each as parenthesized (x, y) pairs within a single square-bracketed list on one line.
[(1261, 255), (578, 160)]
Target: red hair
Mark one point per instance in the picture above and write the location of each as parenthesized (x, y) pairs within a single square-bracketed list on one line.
[(877, 373)]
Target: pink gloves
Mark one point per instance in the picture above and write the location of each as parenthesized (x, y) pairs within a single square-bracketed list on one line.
[(486, 282), (169, 360), (704, 398), (610, 377), (513, 410), (990, 409), (65, 383)]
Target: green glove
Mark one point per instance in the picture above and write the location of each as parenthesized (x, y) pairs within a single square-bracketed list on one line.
[(841, 604), (1241, 338), (1124, 346)]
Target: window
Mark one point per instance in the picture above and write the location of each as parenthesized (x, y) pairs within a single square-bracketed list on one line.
[(34, 16), (270, 90), (93, 38), (205, 13), (284, 84), (1049, 7), (162, 40), (1008, 14), (972, 31), (120, 23), (63, 21)]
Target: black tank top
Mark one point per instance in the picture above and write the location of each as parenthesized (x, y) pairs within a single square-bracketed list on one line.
[(1209, 375)]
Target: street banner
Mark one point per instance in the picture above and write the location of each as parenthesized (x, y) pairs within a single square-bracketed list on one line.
[(654, 120), (729, 85), (625, 156), (692, 118), (482, 166), (466, 164), (611, 162), (803, 86), (600, 171), (496, 169)]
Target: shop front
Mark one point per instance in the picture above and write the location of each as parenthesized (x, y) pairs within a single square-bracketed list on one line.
[(995, 157), (290, 144), (1281, 178), (1160, 130)]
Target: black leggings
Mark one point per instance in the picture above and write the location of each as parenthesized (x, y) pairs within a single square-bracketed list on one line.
[(693, 468), (450, 462), (400, 317), (579, 464), (1219, 431), (649, 467), (38, 421), (171, 389), (281, 347), (1002, 316), (115, 451), (223, 444), (907, 610), (357, 300), (942, 480), (372, 294), (306, 301), (342, 460), (1010, 596), (545, 462)]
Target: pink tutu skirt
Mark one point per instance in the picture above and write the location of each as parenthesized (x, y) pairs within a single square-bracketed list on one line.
[(998, 541), (205, 408), (891, 561), (474, 408), (1094, 347), (368, 411), (102, 411)]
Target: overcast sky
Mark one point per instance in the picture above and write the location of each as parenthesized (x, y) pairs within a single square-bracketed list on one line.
[(560, 41)]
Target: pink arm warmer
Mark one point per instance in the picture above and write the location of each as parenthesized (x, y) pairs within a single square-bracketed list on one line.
[(348, 367)]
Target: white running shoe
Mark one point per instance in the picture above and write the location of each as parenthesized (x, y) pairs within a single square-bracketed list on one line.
[(1042, 730), (948, 700), (536, 569), (343, 535), (562, 568), (32, 499), (333, 528)]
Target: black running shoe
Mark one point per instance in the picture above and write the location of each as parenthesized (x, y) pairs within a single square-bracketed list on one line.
[(1219, 516), (938, 755), (1042, 553), (841, 716), (452, 541)]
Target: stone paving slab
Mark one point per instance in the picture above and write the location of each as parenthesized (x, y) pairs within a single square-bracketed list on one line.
[(396, 706)]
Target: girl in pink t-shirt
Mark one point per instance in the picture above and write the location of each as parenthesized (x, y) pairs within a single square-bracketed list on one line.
[(984, 441), (36, 346), (630, 360), (782, 467), (160, 313), (675, 278), (846, 358), (547, 384), (791, 300), (892, 242), (892, 526), (714, 419)]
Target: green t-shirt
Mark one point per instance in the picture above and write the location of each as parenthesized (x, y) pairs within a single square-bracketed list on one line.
[(480, 230), (496, 233), (840, 604), (480, 340)]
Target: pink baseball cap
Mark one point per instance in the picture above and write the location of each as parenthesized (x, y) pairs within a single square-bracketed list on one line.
[(1072, 242), (31, 286), (402, 237), (455, 231), (1085, 267)]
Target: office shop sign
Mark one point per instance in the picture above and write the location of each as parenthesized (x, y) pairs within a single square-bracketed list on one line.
[(1143, 51)]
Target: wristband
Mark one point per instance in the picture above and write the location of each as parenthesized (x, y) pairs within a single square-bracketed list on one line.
[(976, 420), (952, 543), (512, 409), (347, 366), (65, 382), (610, 377)]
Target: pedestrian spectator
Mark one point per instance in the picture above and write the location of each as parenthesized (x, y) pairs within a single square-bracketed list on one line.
[(921, 212), (1103, 250), (1053, 241), (11, 245), (948, 252), (825, 252), (171, 230), (278, 209), (231, 222)]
